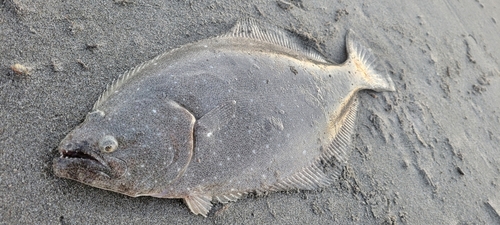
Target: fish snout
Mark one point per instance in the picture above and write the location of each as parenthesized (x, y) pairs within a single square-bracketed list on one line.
[(82, 150)]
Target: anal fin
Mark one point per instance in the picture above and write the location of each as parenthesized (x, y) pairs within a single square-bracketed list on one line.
[(313, 176), (339, 146), (229, 197), (199, 204), (308, 178)]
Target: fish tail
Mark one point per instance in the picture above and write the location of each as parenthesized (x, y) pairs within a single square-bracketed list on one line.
[(374, 75)]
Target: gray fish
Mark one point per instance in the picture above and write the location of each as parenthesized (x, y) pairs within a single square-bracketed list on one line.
[(254, 110)]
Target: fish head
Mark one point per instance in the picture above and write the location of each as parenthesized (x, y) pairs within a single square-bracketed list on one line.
[(135, 149)]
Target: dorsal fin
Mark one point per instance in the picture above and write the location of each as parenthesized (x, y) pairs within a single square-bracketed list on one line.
[(122, 79), (252, 29), (246, 28)]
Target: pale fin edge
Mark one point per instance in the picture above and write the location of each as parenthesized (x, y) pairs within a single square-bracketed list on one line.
[(374, 73), (199, 204), (309, 178), (337, 150), (123, 78), (252, 29), (246, 28), (228, 197), (313, 177)]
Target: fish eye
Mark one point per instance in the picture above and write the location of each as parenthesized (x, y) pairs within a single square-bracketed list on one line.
[(108, 144)]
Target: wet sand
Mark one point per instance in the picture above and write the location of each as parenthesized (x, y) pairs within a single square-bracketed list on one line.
[(425, 154)]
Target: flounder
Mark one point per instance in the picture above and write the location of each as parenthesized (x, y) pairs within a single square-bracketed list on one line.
[(254, 110)]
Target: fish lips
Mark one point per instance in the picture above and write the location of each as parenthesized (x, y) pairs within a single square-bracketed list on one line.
[(87, 166)]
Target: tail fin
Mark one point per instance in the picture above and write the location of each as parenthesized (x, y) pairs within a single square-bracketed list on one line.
[(374, 74)]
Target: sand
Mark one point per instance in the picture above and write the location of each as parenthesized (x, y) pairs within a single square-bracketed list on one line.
[(425, 154)]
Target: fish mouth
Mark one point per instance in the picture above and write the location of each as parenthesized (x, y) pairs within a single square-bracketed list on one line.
[(82, 156), (81, 163), (75, 154)]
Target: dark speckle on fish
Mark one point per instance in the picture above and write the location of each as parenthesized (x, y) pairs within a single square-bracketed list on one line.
[(253, 110)]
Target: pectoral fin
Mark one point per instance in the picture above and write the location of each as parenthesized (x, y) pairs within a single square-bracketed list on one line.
[(199, 204), (217, 118)]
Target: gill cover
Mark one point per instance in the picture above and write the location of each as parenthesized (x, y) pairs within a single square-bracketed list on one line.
[(135, 147)]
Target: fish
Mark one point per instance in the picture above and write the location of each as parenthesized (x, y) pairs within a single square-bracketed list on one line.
[(255, 110)]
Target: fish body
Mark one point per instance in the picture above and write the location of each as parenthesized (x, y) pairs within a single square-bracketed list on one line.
[(250, 111)]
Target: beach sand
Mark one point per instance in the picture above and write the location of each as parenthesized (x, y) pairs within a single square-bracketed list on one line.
[(426, 154)]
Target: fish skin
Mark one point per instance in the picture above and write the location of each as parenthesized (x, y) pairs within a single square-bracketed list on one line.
[(252, 110)]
